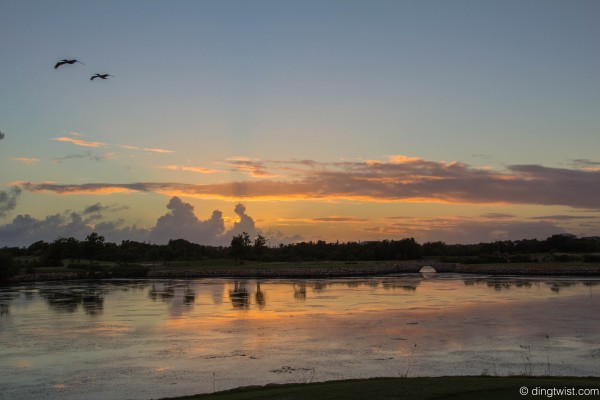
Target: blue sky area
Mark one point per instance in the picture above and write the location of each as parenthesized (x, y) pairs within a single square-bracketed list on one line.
[(461, 121)]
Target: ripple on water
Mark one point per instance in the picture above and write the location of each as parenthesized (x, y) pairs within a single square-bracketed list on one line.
[(140, 347)]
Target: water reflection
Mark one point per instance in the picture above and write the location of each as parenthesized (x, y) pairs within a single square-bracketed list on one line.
[(506, 283), (90, 296), (240, 298), (259, 296), (189, 296), (65, 299), (300, 291), (194, 335)]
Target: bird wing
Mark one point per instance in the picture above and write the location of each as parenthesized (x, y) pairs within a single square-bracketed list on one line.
[(58, 64)]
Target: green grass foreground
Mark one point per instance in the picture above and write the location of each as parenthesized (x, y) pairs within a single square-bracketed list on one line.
[(458, 387)]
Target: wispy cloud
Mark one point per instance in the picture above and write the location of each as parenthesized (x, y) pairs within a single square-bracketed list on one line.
[(388, 181), (497, 216), (339, 219), (465, 230), (88, 155), (86, 143), (79, 142), (128, 147), (187, 168), (157, 150), (99, 207), (254, 168), (147, 149), (586, 164), (26, 160), (563, 217)]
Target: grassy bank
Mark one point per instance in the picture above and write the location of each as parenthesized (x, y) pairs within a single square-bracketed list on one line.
[(489, 388), (318, 269)]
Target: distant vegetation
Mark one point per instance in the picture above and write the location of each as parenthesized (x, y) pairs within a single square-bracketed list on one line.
[(94, 252)]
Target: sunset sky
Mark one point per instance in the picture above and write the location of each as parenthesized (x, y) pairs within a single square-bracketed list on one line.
[(460, 121)]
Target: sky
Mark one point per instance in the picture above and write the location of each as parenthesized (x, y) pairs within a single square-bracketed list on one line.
[(456, 121)]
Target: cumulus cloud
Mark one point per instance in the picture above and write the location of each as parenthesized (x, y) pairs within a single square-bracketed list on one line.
[(181, 223), (395, 180), (245, 224), (8, 200), (25, 229)]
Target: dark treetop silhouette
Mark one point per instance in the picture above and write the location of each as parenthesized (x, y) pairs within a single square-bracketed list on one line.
[(70, 62), (101, 76)]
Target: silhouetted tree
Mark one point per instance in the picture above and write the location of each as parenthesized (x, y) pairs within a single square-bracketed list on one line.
[(7, 268), (240, 245), (92, 245), (260, 247)]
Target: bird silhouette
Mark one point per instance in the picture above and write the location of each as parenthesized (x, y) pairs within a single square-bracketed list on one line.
[(101, 76), (70, 62)]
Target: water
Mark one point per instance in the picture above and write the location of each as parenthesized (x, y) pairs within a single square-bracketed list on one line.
[(151, 339)]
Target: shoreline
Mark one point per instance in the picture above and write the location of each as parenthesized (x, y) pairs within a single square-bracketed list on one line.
[(297, 271), (418, 388)]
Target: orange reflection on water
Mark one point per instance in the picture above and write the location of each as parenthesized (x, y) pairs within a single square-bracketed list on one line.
[(222, 333)]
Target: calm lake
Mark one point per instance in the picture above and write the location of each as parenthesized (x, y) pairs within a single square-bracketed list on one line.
[(150, 339)]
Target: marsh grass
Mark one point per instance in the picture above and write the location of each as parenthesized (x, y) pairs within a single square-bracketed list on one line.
[(527, 358), (411, 358), (527, 361)]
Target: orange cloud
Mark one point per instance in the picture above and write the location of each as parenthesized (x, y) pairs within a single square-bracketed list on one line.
[(79, 142), (150, 150), (254, 168), (417, 180), (200, 170), (156, 150), (26, 160)]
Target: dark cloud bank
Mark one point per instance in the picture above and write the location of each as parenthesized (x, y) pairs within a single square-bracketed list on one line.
[(408, 180)]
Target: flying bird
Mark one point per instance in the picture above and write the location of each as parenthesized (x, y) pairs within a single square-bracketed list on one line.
[(101, 76), (70, 62)]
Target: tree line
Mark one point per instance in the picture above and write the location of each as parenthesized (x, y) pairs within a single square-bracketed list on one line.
[(94, 247)]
